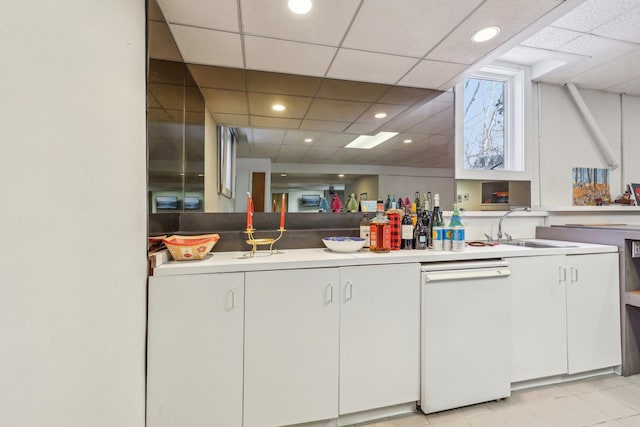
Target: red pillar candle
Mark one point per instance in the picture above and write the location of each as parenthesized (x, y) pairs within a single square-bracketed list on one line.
[(282, 212), (249, 212)]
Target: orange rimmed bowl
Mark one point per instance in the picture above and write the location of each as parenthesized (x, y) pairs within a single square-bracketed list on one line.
[(185, 248)]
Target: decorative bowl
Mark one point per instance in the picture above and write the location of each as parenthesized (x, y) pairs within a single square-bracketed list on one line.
[(344, 244), (183, 248)]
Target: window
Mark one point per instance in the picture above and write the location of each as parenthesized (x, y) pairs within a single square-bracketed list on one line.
[(490, 124), (484, 123)]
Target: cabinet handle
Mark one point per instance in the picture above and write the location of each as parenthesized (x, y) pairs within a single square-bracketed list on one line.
[(330, 293), (231, 296), (349, 293), (574, 274), (562, 274)]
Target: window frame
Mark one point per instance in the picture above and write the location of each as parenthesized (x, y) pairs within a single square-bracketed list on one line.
[(517, 156)]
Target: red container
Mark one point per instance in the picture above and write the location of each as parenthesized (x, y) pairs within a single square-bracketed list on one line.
[(395, 221)]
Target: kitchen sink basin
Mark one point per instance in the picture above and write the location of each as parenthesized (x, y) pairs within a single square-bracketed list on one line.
[(534, 244)]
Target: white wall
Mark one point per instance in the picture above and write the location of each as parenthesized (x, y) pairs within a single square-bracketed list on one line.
[(245, 167), (566, 142), (73, 253)]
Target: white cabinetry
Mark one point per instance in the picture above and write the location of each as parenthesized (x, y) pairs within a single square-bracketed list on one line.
[(291, 347), (379, 336), (566, 316), (593, 312), (539, 340), (194, 357), (324, 342)]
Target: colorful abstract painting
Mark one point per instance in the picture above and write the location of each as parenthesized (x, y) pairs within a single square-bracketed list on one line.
[(591, 186)]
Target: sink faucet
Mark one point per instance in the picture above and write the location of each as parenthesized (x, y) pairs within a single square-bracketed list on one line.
[(503, 216)]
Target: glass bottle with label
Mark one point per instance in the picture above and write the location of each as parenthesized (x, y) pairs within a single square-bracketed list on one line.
[(364, 229), (407, 231), (421, 233), (380, 231)]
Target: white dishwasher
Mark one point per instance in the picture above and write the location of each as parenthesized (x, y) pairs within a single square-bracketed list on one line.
[(465, 333)]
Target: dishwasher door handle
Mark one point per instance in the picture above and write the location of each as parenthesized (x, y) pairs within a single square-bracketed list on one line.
[(438, 276)]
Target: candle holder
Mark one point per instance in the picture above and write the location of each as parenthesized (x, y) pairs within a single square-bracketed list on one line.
[(251, 240)]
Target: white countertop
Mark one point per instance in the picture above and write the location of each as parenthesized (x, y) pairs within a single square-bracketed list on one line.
[(224, 262)]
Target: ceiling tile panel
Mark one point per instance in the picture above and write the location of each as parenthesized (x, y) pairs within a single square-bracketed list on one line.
[(625, 27), (512, 16), (350, 90), (266, 136), (218, 77), (230, 119), (432, 74), (287, 57), (600, 50), (297, 137), (274, 122), (391, 111), (363, 128), (226, 101), (336, 110), (265, 150), (401, 95), (370, 67), (593, 13), (631, 87), (550, 38), (161, 43), (286, 84), (208, 47), (324, 125), (427, 22), (326, 23), (260, 104), (217, 15), (336, 139), (611, 73)]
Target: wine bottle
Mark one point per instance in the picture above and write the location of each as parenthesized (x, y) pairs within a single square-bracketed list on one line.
[(421, 233), (436, 216), (407, 231)]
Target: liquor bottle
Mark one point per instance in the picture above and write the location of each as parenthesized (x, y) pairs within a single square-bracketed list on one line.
[(395, 222), (365, 224), (407, 230), (421, 233), (380, 231), (387, 203), (417, 200)]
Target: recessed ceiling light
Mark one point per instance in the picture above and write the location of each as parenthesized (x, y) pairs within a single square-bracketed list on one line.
[(308, 140), (341, 175), (485, 34), (300, 6), (283, 174), (380, 115), (367, 142), (278, 107), (408, 141)]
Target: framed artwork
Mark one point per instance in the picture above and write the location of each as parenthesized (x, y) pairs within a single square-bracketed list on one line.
[(227, 138), (590, 186), (635, 192)]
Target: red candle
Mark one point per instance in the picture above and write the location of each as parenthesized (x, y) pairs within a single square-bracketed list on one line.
[(282, 213), (249, 212)]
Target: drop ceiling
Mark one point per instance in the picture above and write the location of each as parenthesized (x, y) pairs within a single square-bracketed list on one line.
[(409, 45), (595, 46)]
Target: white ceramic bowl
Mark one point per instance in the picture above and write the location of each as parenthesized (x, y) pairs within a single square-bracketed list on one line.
[(343, 244)]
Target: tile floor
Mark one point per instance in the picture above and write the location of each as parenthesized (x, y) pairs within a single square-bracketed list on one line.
[(604, 401)]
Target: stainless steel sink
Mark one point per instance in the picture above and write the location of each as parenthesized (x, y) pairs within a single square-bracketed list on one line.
[(533, 244)]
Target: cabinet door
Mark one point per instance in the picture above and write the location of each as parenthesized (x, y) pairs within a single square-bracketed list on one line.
[(194, 357), (379, 336), (539, 334), (291, 347), (593, 312)]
